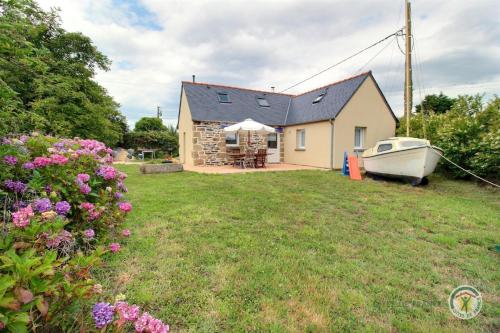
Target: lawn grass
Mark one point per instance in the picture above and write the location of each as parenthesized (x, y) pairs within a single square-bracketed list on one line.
[(307, 251)]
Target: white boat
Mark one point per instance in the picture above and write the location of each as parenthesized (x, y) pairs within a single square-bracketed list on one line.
[(407, 158)]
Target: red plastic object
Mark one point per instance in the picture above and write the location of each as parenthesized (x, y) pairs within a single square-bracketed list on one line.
[(354, 168)]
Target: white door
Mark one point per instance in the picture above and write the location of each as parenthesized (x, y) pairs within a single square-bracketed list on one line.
[(273, 148)]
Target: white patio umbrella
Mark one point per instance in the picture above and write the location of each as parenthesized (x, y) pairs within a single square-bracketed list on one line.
[(250, 126)]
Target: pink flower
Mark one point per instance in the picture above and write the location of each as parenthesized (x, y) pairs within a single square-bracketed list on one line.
[(126, 312), (147, 323), (125, 206), (82, 178), (41, 161), (21, 218), (89, 233), (58, 159), (85, 189), (107, 172), (94, 215), (87, 206), (114, 247), (126, 232)]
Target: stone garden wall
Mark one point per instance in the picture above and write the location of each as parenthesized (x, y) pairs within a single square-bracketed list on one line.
[(209, 143)]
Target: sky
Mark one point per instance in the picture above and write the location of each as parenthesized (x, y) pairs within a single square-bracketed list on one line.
[(156, 44)]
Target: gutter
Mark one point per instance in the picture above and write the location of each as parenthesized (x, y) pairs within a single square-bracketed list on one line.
[(331, 144)]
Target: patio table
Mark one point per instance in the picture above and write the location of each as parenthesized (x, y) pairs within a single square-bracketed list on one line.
[(238, 158)]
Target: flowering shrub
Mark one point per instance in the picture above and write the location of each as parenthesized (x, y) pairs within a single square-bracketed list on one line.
[(61, 209), (122, 315)]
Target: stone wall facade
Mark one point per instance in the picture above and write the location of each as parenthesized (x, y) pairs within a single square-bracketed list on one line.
[(209, 143)]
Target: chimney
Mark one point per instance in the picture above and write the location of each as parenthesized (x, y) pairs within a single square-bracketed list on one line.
[(194, 78), (272, 88)]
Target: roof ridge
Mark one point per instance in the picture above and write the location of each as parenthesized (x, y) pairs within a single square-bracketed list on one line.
[(334, 83), (234, 87)]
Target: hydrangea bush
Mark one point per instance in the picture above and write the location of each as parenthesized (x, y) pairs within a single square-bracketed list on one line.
[(62, 206)]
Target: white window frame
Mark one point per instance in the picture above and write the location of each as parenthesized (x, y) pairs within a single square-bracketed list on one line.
[(237, 144), (301, 139), (362, 135)]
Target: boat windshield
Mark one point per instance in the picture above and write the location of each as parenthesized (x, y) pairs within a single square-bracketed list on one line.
[(410, 144)]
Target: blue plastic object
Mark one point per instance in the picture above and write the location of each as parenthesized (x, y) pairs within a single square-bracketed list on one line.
[(345, 166)]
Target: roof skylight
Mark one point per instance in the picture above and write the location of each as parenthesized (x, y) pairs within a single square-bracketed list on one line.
[(223, 97), (262, 102), (319, 98)]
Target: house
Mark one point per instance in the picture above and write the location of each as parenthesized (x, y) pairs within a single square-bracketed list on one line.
[(314, 128)]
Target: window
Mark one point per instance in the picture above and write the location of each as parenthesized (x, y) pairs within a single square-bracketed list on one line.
[(359, 137), (232, 139), (272, 141), (223, 97), (319, 98), (301, 139), (262, 102), (384, 147)]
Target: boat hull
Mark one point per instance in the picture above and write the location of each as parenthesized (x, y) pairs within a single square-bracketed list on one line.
[(412, 164)]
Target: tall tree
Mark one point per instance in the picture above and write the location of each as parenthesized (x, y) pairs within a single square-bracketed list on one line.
[(435, 103), (147, 124), (46, 77)]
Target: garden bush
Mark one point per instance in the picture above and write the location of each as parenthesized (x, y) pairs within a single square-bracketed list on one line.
[(62, 211), (469, 134)]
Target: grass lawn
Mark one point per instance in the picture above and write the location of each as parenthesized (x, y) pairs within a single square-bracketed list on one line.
[(307, 251)]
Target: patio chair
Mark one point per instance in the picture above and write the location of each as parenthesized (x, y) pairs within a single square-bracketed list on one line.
[(250, 159), (260, 158)]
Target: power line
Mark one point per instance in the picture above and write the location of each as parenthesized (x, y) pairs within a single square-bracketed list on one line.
[(376, 55), (399, 32)]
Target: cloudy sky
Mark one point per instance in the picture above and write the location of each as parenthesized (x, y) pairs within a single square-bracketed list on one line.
[(155, 44)]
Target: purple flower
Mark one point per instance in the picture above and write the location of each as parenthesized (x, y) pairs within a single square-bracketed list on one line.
[(85, 189), (15, 186), (118, 195), (103, 314), (28, 166), (63, 207), (43, 205), (89, 233), (10, 160), (121, 186)]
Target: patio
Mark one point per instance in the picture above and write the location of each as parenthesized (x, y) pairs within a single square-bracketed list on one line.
[(225, 169)]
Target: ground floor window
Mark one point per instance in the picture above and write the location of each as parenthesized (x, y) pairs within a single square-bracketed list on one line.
[(301, 139), (232, 139), (359, 137), (272, 141)]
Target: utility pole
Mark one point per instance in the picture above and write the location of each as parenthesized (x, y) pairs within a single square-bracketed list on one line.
[(408, 74), (158, 112)]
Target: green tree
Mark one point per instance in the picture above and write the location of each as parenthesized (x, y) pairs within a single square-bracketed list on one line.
[(146, 124), (46, 78), (435, 103), (469, 134)]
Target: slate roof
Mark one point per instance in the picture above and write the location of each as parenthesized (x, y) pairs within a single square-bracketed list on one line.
[(284, 109)]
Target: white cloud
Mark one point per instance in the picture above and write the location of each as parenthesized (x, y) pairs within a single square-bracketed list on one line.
[(259, 44)]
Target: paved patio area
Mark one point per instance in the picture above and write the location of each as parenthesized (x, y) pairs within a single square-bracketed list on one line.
[(230, 169)]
